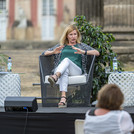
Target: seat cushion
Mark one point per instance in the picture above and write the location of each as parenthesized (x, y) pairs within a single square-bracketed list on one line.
[(78, 79)]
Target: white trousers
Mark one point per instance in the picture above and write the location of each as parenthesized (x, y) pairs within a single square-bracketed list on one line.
[(66, 68)]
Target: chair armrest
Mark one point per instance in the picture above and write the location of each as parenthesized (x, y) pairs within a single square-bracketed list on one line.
[(45, 65), (90, 68)]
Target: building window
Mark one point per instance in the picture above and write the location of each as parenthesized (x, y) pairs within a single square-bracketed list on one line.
[(2, 4), (48, 7)]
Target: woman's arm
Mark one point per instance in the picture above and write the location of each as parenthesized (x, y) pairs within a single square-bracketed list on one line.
[(86, 52), (54, 50), (93, 52), (49, 53)]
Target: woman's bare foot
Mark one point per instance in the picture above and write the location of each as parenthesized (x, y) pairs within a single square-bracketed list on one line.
[(62, 102), (53, 79)]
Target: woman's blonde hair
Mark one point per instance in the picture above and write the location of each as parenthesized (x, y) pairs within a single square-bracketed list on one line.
[(68, 29), (110, 97)]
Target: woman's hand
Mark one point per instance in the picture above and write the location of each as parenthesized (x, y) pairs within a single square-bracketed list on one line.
[(57, 50), (78, 51), (89, 52)]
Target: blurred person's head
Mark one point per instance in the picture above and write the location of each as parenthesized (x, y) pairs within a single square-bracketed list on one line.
[(64, 38), (110, 97)]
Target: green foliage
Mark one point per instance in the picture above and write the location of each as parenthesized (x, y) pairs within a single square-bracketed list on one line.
[(3, 59), (94, 36)]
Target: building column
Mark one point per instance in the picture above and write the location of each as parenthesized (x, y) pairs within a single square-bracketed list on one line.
[(59, 11), (11, 12), (34, 5)]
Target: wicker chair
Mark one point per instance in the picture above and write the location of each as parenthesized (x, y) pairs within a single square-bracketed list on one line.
[(79, 88)]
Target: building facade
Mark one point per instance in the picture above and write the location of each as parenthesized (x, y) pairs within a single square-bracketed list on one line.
[(35, 19), (46, 19)]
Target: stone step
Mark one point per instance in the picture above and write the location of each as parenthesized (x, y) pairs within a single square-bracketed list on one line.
[(123, 43), (27, 45)]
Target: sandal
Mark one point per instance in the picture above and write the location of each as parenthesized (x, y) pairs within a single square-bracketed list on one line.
[(62, 104), (52, 80)]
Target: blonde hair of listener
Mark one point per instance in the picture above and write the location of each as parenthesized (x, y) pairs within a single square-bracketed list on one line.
[(108, 116)]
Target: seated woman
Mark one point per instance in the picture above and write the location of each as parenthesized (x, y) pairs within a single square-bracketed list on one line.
[(108, 117), (70, 59)]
